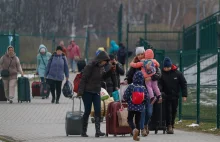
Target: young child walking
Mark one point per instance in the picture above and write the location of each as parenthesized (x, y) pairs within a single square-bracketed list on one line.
[(148, 67), (135, 95)]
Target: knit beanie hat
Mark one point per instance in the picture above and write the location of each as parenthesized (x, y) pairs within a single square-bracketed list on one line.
[(42, 50), (139, 50), (167, 62), (59, 48)]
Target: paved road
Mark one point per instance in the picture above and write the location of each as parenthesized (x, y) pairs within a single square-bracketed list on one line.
[(41, 121)]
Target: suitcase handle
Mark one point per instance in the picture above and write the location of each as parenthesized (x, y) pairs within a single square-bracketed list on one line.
[(74, 104)]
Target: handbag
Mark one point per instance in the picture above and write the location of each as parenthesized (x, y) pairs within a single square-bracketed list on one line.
[(122, 117), (5, 72)]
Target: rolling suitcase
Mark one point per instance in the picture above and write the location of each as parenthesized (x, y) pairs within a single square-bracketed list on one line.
[(24, 89), (158, 118), (74, 121), (2, 91), (112, 125), (81, 64), (35, 87)]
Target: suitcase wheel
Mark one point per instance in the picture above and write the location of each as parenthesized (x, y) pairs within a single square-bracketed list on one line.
[(93, 120), (67, 135), (106, 135), (156, 131), (115, 135)]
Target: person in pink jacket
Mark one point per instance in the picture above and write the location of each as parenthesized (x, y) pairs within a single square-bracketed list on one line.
[(73, 54), (148, 67)]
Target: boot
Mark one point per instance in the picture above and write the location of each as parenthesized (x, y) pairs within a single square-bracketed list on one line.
[(146, 128), (97, 128), (169, 129), (53, 100), (84, 127), (135, 135), (143, 132)]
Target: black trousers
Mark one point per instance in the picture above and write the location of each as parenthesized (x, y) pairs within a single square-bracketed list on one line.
[(171, 110), (137, 115), (55, 86)]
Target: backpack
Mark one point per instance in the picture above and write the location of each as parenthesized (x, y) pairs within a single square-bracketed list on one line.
[(137, 96), (76, 82), (149, 66), (67, 89)]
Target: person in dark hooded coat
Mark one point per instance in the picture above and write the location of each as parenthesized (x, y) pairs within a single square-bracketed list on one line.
[(89, 89)]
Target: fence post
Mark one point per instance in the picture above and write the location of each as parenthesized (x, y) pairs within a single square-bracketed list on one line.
[(218, 90), (53, 44), (127, 32), (120, 12), (180, 99), (145, 26), (87, 45), (198, 87)]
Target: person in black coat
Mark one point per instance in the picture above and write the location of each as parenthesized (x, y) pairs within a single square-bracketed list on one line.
[(171, 82), (113, 80)]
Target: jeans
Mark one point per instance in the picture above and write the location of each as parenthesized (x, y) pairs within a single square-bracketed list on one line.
[(42, 79), (89, 99), (131, 115), (146, 114), (73, 64)]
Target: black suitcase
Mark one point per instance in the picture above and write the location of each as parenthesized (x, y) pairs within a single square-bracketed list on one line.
[(81, 64), (74, 121), (24, 93), (2, 91), (158, 118)]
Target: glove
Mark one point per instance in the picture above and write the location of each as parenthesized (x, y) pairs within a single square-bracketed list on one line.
[(79, 95), (159, 98)]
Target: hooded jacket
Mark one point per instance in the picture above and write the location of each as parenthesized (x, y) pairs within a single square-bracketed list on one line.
[(42, 60), (138, 80), (14, 68), (171, 82), (93, 74), (114, 48)]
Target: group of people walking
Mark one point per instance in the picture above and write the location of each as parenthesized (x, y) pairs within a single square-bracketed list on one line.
[(50, 68), (144, 71)]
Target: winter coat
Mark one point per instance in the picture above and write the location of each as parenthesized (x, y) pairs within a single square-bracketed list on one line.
[(14, 68), (149, 55), (171, 82), (73, 51), (56, 68), (114, 48), (138, 80), (113, 80), (122, 55), (93, 74), (42, 60), (132, 71)]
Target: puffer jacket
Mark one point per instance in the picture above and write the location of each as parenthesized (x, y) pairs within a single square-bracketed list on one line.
[(138, 80), (56, 68)]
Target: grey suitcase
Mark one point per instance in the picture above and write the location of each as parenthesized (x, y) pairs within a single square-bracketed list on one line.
[(74, 120)]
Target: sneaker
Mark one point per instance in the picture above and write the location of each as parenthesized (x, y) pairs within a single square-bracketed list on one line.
[(135, 135)]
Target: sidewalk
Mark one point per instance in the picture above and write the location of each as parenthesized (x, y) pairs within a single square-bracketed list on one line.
[(41, 121)]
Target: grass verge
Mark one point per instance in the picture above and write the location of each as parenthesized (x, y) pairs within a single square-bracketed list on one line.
[(209, 128), (6, 139)]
